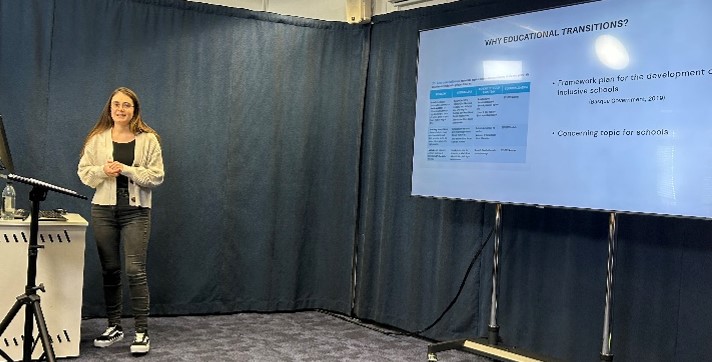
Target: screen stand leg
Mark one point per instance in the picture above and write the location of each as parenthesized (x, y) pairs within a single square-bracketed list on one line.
[(606, 354), (493, 328)]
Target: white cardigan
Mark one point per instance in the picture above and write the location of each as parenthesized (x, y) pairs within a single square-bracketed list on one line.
[(145, 173)]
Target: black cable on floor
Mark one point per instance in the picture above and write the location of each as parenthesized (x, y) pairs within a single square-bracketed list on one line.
[(447, 309)]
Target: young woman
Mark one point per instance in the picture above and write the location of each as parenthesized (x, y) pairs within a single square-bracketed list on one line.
[(122, 160)]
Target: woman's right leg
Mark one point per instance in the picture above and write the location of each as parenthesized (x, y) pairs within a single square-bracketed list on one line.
[(107, 235)]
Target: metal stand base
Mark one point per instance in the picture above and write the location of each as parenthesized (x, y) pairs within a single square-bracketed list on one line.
[(31, 302), (607, 357), (480, 347)]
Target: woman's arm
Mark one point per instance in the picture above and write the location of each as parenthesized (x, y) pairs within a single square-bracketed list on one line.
[(148, 171)]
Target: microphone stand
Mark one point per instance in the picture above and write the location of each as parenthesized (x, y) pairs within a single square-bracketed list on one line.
[(30, 299)]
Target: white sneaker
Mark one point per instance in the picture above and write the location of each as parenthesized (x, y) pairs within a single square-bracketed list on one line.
[(141, 344), (110, 336)]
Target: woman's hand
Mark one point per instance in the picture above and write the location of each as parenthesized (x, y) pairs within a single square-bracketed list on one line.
[(112, 168)]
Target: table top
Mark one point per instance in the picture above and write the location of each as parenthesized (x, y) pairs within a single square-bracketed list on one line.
[(72, 219)]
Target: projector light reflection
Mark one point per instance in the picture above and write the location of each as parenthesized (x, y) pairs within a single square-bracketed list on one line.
[(611, 52), (502, 69)]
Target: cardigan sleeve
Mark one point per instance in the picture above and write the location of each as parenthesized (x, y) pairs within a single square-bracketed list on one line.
[(90, 169), (148, 172)]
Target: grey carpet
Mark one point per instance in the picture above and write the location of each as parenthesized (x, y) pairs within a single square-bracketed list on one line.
[(297, 336)]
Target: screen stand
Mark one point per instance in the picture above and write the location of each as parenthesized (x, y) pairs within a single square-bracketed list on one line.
[(486, 346), (606, 354)]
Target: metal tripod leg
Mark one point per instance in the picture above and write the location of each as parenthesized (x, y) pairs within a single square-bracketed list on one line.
[(41, 328), (31, 302), (8, 319)]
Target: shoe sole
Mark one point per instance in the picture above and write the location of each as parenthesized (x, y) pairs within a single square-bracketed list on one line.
[(140, 349), (104, 344)]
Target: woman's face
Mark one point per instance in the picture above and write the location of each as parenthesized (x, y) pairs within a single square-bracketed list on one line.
[(122, 109)]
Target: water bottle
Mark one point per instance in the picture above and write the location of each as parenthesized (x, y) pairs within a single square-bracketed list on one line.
[(8, 202)]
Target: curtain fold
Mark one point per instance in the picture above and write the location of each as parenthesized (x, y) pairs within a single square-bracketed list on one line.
[(413, 252)]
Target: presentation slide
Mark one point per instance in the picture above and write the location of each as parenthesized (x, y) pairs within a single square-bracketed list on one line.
[(604, 105)]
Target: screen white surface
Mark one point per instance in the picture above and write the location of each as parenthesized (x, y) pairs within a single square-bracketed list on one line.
[(603, 105)]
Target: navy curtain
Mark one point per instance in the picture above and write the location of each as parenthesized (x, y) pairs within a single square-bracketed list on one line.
[(260, 119)]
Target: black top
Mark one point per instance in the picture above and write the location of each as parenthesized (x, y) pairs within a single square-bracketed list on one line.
[(124, 153)]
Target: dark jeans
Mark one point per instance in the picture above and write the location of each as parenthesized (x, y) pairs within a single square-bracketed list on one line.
[(130, 225)]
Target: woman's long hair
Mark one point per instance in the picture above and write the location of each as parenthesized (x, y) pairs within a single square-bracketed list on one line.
[(136, 125)]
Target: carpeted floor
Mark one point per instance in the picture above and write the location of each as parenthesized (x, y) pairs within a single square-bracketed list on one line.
[(298, 336)]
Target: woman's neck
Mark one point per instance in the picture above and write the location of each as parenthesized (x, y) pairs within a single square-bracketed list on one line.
[(122, 134)]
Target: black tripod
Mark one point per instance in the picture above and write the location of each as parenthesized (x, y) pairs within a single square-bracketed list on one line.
[(30, 300)]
